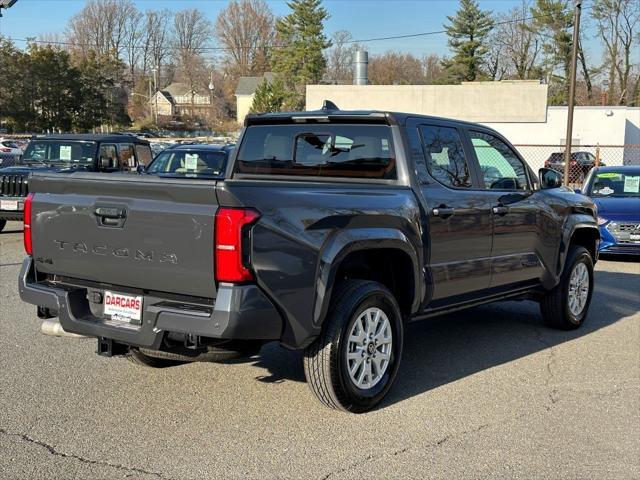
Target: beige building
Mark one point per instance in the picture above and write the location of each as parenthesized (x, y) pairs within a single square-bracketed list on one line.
[(179, 100), (245, 91), (505, 101), (517, 109)]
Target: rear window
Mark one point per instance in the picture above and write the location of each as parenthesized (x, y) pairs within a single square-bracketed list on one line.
[(322, 150)]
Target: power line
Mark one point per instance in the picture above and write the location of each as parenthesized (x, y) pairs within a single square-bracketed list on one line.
[(276, 46)]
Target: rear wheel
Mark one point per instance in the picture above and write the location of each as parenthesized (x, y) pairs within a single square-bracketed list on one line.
[(567, 304), (354, 362)]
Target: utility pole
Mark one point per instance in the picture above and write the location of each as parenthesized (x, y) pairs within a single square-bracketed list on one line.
[(572, 88), (155, 93), (211, 87), (150, 100)]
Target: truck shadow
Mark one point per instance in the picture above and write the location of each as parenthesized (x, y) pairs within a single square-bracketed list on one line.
[(445, 349)]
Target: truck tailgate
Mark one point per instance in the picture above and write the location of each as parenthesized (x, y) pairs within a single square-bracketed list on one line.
[(136, 231)]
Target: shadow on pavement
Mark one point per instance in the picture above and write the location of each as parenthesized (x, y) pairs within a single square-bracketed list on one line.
[(620, 258), (444, 349)]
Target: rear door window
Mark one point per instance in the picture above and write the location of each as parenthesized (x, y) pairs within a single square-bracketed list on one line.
[(323, 150), (127, 159), (108, 156), (143, 152), (445, 157)]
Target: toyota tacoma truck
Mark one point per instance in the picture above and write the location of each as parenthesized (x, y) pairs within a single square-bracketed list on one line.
[(328, 232)]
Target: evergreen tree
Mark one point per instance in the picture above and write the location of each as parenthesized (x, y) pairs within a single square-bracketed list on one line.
[(269, 97), (467, 31), (300, 60), (103, 99), (553, 21), (56, 86)]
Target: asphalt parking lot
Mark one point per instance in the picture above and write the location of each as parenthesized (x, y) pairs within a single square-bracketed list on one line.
[(485, 393)]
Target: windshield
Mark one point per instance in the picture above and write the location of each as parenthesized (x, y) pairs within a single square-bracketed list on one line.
[(323, 150), (8, 144), (614, 184), (205, 163), (60, 151)]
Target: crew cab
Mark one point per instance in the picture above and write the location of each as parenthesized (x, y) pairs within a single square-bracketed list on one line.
[(67, 154), (329, 232)]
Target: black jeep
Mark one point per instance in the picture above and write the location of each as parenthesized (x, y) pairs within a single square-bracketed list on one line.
[(67, 154)]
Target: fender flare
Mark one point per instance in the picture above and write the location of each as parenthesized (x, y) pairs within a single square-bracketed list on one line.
[(347, 241), (572, 224)]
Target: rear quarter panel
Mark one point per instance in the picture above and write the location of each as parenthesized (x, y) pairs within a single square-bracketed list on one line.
[(306, 226)]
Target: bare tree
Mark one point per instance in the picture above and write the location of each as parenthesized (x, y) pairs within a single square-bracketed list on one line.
[(191, 30), (617, 24), (519, 42), (394, 68), (246, 29), (495, 61), (54, 39), (156, 41), (340, 57), (432, 68), (133, 37), (193, 71), (101, 26)]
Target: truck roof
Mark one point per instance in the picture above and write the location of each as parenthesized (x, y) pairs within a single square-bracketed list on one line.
[(92, 137), (337, 115)]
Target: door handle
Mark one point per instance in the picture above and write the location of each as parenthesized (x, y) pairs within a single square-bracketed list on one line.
[(500, 210), (443, 211)]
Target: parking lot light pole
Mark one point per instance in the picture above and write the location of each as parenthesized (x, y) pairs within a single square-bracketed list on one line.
[(572, 89)]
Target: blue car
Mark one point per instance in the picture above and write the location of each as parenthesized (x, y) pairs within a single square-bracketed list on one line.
[(616, 192)]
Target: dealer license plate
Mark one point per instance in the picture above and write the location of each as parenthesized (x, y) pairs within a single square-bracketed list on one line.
[(635, 237), (123, 308), (8, 205)]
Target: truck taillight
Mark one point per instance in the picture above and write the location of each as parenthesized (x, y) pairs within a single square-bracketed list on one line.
[(28, 246), (231, 262)]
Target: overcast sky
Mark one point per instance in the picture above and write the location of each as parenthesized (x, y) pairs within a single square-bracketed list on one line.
[(363, 18)]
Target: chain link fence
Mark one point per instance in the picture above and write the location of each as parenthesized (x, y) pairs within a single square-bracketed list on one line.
[(8, 160), (583, 158)]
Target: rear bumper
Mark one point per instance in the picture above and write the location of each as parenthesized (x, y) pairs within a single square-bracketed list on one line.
[(240, 312), (13, 215)]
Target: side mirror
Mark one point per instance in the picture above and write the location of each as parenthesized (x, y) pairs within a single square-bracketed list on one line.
[(549, 178), (577, 190), (141, 169)]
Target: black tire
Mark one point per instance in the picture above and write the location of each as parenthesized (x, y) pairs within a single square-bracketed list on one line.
[(231, 350), (555, 303), (2, 224), (325, 360), (139, 358)]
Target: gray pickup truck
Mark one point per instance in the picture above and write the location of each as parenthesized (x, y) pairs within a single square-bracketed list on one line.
[(329, 232)]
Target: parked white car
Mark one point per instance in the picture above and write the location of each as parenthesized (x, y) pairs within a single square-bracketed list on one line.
[(10, 147)]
